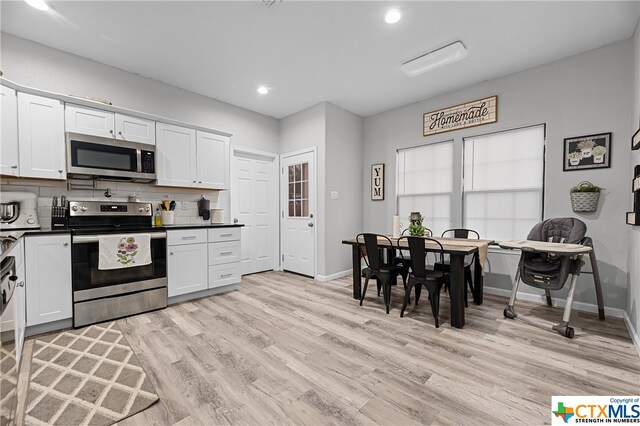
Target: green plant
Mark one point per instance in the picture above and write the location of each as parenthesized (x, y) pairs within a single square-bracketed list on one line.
[(416, 229), (586, 187)]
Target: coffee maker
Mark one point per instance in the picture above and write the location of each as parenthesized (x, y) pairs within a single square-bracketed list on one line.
[(18, 210)]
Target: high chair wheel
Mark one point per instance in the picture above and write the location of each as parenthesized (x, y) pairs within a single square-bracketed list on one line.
[(509, 313), (569, 332)]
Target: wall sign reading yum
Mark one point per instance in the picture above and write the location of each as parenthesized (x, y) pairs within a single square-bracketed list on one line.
[(474, 113)]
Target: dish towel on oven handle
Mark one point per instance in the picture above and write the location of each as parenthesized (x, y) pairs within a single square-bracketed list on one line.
[(117, 251)]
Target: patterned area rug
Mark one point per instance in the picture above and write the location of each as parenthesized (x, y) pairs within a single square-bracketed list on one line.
[(88, 376)]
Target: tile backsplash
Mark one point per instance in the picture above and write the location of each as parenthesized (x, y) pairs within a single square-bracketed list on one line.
[(186, 199)]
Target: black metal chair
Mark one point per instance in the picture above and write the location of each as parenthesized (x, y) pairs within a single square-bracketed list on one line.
[(432, 279), (385, 273), (468, 260), (405, 261)]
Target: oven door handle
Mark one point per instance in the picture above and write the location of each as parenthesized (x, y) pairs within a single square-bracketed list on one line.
[(83, 239)]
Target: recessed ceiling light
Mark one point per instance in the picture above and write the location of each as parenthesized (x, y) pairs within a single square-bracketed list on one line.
[(392, 16), (263, 90), (436, 59), (38, 4)]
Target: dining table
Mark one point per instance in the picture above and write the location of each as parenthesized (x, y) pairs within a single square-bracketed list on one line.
[(456, 248)]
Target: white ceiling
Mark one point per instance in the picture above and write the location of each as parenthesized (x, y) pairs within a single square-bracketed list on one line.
[(309, 52)]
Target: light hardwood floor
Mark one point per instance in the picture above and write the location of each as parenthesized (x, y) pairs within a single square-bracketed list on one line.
[(285, 349)]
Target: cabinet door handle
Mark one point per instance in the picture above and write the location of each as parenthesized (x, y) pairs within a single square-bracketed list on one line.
[(226, 253), (59, 170), (194, 181), (199, 181), (111, 131), (226, 235), (65, 244), (15, 166), (189, 237), (225, 275), (120, 133), (171, 253)]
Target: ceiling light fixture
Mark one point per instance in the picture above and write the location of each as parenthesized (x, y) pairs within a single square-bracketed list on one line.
[(38, 4), (263, 90), (392, 16), (432, 60)]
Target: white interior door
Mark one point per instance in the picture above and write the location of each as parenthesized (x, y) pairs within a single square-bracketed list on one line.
[(254, 203), (298, 195)]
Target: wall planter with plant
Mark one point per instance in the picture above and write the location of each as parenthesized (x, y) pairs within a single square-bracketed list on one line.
[(585, 196)]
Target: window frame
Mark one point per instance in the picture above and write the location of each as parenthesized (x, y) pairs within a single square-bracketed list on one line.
[(544, 170), (453, 168)]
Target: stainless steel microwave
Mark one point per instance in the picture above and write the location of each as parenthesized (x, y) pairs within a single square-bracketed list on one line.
[(94, 157)]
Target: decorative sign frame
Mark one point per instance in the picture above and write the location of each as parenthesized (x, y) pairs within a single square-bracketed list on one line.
[(635, 140), (587, 152), (377, 182), (463, 116)]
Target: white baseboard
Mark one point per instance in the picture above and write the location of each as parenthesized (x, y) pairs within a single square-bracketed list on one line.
[(580, 306), (335, 276), (632, 332)]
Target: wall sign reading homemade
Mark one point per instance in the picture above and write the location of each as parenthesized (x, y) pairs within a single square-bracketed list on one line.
[(470, 114)]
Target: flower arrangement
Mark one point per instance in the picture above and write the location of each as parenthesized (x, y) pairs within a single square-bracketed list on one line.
[(127, 250), (575, 157), (599, 150), (586, 144)]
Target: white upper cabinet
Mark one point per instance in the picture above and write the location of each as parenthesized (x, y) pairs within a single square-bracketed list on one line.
[(191, 159), (135, 129), (9, 164), (213, 161), (175, 156), (89, 121), (41, 137), (96, 122)]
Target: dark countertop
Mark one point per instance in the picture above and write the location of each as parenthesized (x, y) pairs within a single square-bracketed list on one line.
[(202, 225)]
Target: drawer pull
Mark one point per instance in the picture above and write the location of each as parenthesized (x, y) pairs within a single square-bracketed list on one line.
[(189, 237), (226, 235), (226, 253), (225, 275)]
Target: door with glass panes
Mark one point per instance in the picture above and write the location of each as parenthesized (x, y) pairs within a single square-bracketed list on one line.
[(298, 213)]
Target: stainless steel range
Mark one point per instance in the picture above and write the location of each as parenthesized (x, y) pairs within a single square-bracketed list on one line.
[(104, 294)]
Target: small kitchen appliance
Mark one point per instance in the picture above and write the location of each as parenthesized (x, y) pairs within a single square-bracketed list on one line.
[(93, 157), (101, 295), (18, 210)]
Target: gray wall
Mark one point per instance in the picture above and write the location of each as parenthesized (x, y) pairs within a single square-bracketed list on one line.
[(583, 94), (42, 67), (302, 130), (344, 146), (633, 298), (337, 135)]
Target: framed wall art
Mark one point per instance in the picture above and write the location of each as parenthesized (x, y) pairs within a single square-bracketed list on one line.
[(587, 152), (377, 181)]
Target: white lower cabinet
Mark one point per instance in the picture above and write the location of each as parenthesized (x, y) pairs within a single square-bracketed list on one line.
[(224, 256), (48, 278), (187, 267)]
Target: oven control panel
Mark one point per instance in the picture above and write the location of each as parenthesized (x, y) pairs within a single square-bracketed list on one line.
[(99, 208)]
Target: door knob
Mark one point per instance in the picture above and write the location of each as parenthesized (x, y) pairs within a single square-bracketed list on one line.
[(310, 224), (235, 220)]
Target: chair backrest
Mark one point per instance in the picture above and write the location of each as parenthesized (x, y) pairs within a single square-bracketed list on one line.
[(370, 249), (461, 233), (418, 253), (427, 232), (568, 230)]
